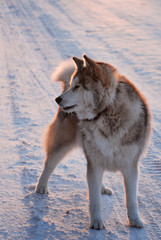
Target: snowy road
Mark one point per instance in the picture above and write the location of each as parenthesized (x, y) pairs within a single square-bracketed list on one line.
[(34, 37)]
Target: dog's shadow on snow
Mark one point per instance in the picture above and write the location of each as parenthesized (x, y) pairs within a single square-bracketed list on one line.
[(37, 207), (46, 217)]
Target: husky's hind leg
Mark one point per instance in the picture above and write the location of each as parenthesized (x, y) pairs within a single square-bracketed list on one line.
[(61, 137), (105, 190)]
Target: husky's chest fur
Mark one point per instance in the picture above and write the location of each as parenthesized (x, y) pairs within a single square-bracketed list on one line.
[(118, 132)]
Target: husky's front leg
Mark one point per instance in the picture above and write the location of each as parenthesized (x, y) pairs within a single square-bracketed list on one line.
[(130, 181), (94, 178)]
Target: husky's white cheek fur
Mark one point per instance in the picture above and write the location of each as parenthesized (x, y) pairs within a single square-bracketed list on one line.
[(110, 119)]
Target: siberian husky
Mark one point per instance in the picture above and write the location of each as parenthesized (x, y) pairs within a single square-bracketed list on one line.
[(107, 114)]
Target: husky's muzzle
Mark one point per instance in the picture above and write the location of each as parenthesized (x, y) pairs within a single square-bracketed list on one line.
[(59, 101)]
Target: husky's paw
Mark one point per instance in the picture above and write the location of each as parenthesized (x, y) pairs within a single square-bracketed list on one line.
[(136, 223), (107, 191), (97, 224), (41, 189)]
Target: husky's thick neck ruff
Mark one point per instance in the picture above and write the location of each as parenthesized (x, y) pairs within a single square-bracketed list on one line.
[(96, 117)]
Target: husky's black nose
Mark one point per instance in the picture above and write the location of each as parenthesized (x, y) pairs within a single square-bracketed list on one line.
[(58, 100)]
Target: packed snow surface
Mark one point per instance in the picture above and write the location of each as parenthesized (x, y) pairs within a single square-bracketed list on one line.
[(35, 36)]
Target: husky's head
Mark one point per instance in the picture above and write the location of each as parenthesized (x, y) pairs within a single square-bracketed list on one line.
[(92, 88)]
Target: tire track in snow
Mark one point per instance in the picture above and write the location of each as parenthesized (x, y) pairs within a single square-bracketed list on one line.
[(150, 208), (61, 37), (24, 118), (37, 82), (154, 167)]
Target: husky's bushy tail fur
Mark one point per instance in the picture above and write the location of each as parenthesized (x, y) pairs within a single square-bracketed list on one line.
[(63, 73)]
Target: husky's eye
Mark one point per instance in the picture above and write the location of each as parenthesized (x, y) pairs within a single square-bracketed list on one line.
[(76, 87)]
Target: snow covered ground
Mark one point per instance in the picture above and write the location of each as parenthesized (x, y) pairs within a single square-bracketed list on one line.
[(35, 35)]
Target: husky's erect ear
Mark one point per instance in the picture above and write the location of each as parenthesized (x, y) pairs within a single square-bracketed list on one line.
[(78, 62), (88, 62)]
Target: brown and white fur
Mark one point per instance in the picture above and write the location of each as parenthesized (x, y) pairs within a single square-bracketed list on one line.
[(107, 114)]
